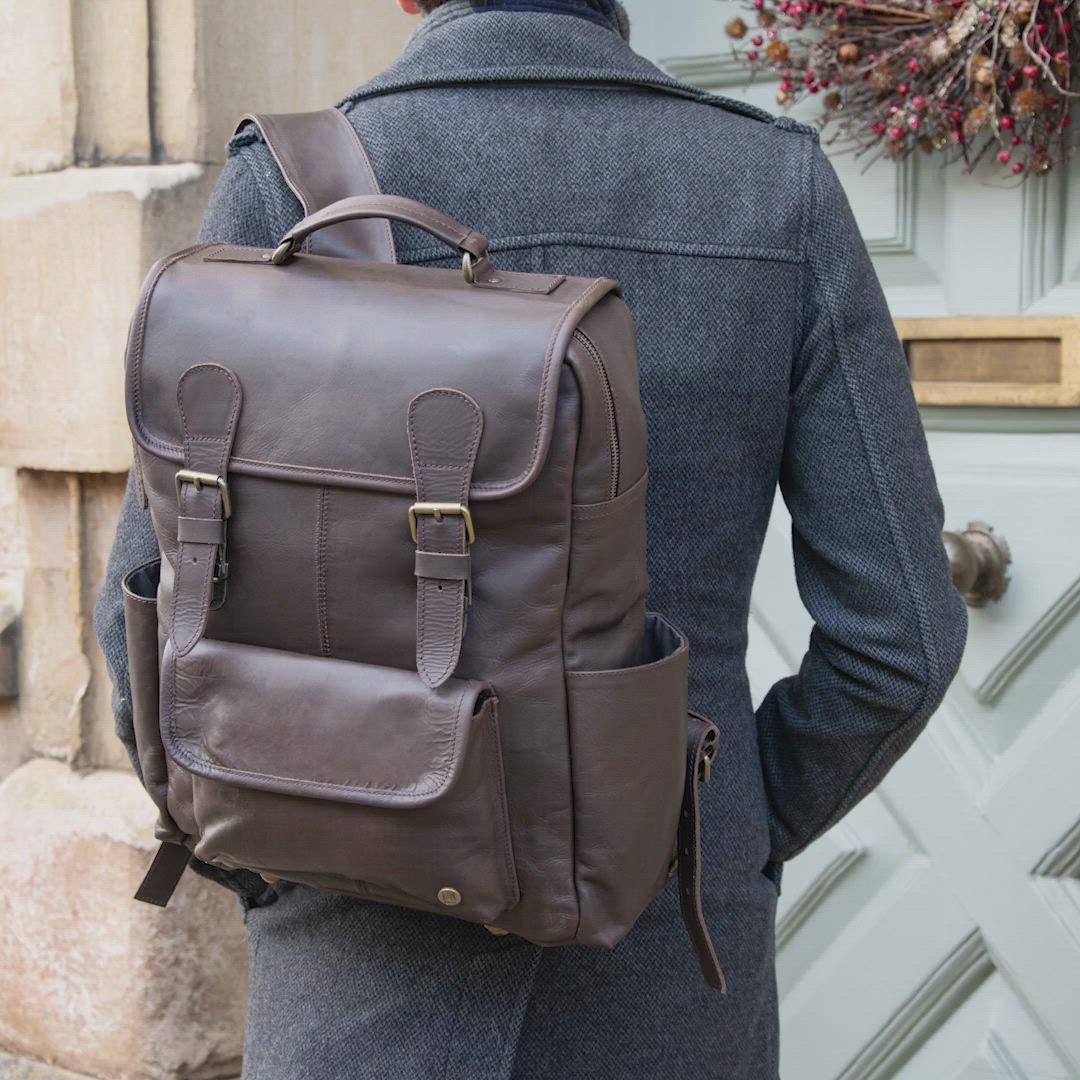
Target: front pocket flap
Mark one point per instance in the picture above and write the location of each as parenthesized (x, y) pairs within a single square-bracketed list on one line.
[(315, 727)]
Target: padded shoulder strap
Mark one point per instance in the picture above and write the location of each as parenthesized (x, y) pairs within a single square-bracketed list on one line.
[(322, 159)]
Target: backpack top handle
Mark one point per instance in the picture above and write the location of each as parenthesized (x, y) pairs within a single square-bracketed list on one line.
[(472, 244)]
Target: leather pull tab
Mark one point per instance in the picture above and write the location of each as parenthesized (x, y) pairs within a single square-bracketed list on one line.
[(701, 745), (444, 436), (168, 866)]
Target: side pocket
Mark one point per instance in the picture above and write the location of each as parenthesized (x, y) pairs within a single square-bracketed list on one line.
[(628, 749), (141, 628)]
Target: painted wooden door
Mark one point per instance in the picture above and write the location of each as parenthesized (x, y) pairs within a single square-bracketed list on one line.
[(935, 933)]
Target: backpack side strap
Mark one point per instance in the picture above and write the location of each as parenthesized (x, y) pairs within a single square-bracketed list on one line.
[(701, 745), (323, 160)]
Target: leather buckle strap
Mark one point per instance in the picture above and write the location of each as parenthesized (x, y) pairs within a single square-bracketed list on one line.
[(444, 435), (209, 399), (701, 746)]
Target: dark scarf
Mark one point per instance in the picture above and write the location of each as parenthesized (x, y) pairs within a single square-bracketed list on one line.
[(609, 13)]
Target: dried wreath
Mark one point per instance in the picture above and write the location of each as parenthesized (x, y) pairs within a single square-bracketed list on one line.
[(965, 77)]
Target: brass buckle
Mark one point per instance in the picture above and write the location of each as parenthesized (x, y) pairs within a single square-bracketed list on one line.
[(438, 511), (189, 476)]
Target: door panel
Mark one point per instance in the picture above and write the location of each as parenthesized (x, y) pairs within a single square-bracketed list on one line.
[(935, 932)]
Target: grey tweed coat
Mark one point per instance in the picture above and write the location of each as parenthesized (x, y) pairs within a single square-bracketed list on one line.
[(768, 357)]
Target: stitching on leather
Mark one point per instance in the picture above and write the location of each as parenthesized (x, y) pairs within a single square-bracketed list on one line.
[(575, 308), (595, 511), (224, 443), (179, 750), (368, 168), (502, 811), (286, 172), (139, 336), (320, 569), (425, 585)]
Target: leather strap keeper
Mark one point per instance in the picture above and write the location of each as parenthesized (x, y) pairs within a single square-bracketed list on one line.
[(444, 565), (200, 530)]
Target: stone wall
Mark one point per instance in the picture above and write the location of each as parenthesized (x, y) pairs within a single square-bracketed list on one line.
[(115, 118)]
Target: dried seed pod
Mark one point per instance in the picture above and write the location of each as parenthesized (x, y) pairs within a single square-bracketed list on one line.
[(1018, 54), (736, 28), (981, 69), (834, 100), (849, 52), (777, 51), (1041, 163), (978, 116), (765, 18), (937, 50), (1022, 10), (1028, 102), (883, 77)]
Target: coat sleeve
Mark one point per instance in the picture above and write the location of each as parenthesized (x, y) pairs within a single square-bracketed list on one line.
[(236, 214), (866, 533)]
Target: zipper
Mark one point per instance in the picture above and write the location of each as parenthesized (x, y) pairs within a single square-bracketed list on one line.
[(609, 404)]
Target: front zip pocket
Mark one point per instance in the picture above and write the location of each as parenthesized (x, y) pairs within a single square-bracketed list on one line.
[(609, 406)]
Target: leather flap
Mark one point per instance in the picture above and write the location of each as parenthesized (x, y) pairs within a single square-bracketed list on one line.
[(315, 727), (330, 352)]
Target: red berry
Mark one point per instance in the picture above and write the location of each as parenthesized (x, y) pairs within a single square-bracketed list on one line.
[(1030, 70), (913, 64), (902, 88), (752, 54), (1015, 140), (1006, 122), (878, 127), (1003, 156), (914, 122), (918, 101), (1018, 166), (896, 132), (1065, 121), (785, 84), (757, 39)]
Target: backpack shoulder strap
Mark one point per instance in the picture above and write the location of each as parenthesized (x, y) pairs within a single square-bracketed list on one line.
[(322, 160)]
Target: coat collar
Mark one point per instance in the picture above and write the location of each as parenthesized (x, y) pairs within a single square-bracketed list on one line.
[(607, 13), (493, 46)]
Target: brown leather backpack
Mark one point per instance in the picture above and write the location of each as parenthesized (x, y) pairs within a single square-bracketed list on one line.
[(396, 644)]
